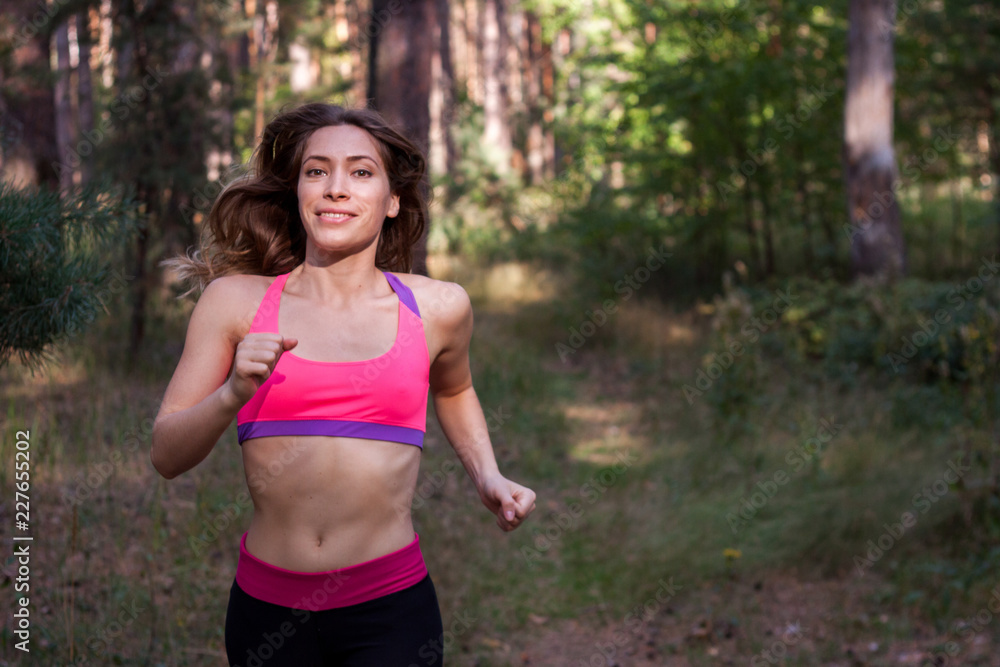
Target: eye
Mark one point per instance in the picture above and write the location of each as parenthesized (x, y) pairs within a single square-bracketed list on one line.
[(363, 172), (315, 171)]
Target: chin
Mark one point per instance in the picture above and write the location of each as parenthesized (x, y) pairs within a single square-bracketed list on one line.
[(342, 246)]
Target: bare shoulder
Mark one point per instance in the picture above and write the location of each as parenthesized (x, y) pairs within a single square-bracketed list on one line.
[(444, 302), (233, 300)]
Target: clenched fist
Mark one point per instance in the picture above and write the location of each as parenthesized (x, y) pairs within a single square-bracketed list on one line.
[(256, 356)]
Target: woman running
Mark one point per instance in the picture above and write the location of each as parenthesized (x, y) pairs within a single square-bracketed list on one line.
[(312, 334)]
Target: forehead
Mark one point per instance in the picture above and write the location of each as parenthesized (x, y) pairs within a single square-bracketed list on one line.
[(341, 141)]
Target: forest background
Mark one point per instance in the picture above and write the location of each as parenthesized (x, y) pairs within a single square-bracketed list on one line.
[(733, 266)]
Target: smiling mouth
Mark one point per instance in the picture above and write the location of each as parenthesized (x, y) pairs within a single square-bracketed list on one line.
[(336, 216)]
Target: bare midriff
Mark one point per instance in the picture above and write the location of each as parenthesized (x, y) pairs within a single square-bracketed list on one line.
[(323, 503)]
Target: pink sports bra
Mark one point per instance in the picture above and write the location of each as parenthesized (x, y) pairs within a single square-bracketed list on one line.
[(384, 398)]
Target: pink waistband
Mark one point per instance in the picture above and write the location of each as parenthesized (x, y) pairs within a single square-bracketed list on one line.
[(347, 586)]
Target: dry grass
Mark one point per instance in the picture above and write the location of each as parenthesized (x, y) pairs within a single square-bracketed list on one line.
[(116, 578)]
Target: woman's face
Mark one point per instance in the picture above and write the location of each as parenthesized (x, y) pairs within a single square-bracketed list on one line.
[(343, 190)]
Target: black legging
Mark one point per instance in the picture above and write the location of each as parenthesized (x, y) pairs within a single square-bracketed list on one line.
[(402, 629)]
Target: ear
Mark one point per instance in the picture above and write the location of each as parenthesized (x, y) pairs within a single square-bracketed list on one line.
[(393, 207)]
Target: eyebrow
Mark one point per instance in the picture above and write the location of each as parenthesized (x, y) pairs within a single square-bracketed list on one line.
[(350, 158)]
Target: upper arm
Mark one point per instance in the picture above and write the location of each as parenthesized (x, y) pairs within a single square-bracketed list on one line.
[(449, 312), (209, 346)]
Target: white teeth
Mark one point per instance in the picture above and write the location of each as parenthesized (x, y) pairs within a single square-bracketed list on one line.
[(336, 216)]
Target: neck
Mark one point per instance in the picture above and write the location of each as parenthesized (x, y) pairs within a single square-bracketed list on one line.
[(340, 281)]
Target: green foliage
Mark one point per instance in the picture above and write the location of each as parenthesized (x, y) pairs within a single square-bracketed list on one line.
[(932, 346), (717, 126), (732, 370), (610, 241), (932, 336), (59, 261), (917, 329)]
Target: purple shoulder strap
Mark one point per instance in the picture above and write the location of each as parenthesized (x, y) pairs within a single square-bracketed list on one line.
[(404, 293)]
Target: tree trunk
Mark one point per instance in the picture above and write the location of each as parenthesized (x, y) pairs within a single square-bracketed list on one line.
[(359, 13), (68, 159), (460, 45), (474, 49), (268, 56), (957, 224), (255, 37), (347, 47), (765, 208), (517, 65), (547, 74), (85, 91), (137, 326), (447, 86), (534, 103), (131, 69), (994, 158), (7, 128), (805, 210), (437, 153), (400, 77), (496, 133), (753, 266), (105, 23), (28, 127), (877, 247)]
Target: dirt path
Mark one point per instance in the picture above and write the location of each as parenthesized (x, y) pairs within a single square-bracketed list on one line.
[(778, 620), (778, 617)]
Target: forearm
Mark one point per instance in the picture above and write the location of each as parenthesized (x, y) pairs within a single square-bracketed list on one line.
[(182, 439), (464, 424)]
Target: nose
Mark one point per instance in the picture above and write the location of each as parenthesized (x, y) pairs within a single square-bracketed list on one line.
[(337, 185)]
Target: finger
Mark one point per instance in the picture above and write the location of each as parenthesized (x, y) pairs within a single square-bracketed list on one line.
[(266, 356), (525, 503), (264, 336), (508, 508), (276, 345), (524, 512), (510, 524), (256, 369), (505, 526), (272, 346), (261, 344)]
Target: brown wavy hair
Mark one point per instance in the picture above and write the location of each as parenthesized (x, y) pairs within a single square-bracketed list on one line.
[(254, 225)]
